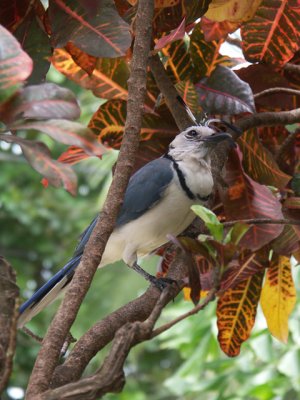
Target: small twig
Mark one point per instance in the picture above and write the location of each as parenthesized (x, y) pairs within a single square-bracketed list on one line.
[(28, 332), (260, 221), (210, 297), (276, 90), (167, 294), (169, 92)]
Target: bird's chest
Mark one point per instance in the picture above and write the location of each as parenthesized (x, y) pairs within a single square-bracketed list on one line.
[(197, 177)]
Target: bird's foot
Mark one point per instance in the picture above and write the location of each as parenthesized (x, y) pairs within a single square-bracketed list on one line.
[(161, 283)]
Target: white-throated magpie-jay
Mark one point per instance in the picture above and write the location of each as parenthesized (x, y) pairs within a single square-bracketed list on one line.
[(157, 203)]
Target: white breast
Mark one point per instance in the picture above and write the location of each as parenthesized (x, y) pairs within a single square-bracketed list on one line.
[(170, 216)]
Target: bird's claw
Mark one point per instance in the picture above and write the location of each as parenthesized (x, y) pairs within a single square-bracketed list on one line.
[(162, 283)]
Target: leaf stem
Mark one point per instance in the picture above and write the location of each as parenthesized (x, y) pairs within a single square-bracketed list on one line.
[(210, 297)]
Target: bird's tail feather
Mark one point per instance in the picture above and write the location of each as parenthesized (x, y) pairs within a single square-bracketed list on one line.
[(48, 292)]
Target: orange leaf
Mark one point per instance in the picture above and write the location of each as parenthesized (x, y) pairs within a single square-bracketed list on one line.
[(278, 298), (236, 311)]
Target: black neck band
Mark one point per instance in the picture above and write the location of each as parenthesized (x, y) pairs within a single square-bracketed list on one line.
[(181, 178)]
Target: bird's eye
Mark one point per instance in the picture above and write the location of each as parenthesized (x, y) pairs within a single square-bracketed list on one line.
[(191, 133)]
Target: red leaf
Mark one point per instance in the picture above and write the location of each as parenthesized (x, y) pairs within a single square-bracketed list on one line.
[(102, 34), (245, 199), (41, 102), (268, 78), (107, 79), (67, 132), (12, 12), (83, 60), (174, 35), (35, 41), (39, 157), (241, 268), (15, 65), (169, 18), (224, 93), (73, 155), (217, 30), (272, 35), (259, 163)]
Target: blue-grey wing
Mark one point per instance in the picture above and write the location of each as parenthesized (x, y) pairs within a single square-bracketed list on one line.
[(145, 189)]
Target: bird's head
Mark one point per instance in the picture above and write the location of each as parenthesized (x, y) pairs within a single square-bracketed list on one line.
[(197, 141)]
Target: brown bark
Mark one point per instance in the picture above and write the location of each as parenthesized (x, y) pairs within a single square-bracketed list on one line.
[(9, 293), (49, 353)]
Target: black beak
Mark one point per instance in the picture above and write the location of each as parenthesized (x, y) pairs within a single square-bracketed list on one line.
[(215, 138)]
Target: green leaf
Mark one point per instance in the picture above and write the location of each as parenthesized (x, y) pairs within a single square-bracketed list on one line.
[(15, 65), (211, 221), (235, 234)]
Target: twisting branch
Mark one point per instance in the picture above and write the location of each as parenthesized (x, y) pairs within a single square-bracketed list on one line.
[(110, 377), (269, 119), (48, 356), (276, 90), (103, 332), (262, 221)]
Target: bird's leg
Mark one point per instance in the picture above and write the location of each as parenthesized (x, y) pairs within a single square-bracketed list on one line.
[(160, 283)]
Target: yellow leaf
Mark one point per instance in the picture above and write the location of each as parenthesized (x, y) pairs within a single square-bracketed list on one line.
[(278, 298), (232, 10), (236, 311), (187, 294)]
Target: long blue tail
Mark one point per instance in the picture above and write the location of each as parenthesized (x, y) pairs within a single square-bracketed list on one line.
[(48, 292)]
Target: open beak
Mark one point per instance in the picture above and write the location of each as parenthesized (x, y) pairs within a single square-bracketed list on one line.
[(215, 138)]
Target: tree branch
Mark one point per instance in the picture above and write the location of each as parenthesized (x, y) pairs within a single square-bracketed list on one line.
[(292, 68), (9, 292), (268, 119), (48, 356), (103, 332), (110, 377), (276, 90)]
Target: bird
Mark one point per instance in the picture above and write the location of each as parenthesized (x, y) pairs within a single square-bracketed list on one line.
[(157, 204)]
